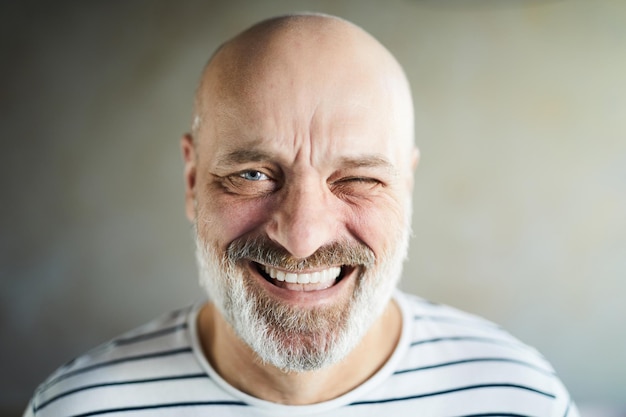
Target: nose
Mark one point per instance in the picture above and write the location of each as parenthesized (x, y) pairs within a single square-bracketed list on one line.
[(304, 220)]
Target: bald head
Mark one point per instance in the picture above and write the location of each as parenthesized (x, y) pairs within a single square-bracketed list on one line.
[(312, 64)]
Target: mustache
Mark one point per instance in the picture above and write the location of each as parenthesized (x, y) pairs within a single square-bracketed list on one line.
[(262, 250)]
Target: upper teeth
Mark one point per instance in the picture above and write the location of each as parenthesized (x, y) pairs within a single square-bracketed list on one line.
[(311, 278)]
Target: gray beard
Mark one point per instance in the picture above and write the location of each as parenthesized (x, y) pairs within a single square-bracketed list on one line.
[(290, 338)]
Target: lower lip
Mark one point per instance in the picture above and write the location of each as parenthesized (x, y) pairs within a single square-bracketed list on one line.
[(307, 298)]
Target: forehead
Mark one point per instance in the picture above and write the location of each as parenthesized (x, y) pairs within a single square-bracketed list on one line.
[(318, 127), (283, 111), (338, 94)]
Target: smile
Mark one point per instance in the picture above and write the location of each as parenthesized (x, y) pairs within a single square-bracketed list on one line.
[(323, 276), (302, 281)]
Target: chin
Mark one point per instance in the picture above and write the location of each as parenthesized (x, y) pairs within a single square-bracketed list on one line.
[(298, 331)]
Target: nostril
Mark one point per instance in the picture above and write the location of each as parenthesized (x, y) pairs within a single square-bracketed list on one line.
[(302, 223)]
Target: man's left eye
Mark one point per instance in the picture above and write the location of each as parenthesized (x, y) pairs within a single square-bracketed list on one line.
[(359, 180), (253, 176)]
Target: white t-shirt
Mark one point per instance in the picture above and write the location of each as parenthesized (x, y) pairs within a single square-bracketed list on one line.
[(447, 363)]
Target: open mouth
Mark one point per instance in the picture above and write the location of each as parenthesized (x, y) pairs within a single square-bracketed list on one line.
[(303, 281)]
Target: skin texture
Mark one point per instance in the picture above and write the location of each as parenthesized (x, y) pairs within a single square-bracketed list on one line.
[(303, 135)]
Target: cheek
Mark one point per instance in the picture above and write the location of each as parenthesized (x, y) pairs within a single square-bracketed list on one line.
[(379, 224), (222, 219)]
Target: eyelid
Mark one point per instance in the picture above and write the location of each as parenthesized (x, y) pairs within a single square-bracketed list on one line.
[(358, 178), (238, 183), (361, 178), (247, 171)]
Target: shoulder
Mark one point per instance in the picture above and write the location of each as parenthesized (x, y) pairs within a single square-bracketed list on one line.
[(433, 323), (118, 372), (455, 355)]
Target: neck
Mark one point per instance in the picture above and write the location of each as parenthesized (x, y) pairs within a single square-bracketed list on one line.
[(241, 367)]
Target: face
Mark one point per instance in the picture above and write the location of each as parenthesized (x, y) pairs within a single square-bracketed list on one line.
[(299, 187)]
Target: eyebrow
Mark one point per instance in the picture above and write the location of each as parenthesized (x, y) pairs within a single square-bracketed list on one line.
[(367, 161), (241, 156)]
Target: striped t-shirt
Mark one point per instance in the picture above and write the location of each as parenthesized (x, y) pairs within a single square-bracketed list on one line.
[(447, 363)]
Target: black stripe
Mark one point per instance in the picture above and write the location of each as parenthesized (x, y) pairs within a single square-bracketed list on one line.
[(468, 339), (453, 390), (463, 361), (156, 406), (495, 415), (569, 404), (151, 335), (183, 311), (118, 361), (117, 383)]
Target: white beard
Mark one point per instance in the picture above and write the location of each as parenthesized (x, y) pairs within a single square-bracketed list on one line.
[(297, 339)]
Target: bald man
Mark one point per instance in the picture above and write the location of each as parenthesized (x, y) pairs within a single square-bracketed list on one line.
[(298, 172)]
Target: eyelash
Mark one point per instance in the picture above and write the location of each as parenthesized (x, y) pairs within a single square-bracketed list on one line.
[(243, 175), (360, 179)]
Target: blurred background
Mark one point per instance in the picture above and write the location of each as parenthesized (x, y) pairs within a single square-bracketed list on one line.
[(520, 196)]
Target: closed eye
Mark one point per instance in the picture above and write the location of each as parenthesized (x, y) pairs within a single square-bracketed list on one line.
[(356, 186), (361, 179), (367, 180)]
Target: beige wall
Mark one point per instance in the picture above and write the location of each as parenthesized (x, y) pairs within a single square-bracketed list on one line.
[(520, 196)]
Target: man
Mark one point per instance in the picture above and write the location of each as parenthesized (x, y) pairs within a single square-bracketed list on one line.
[(298, 176)]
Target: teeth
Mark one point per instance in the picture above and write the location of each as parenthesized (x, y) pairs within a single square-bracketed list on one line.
[(313, 278)]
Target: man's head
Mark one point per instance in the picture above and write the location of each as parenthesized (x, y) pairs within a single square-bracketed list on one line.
[(299, 175)]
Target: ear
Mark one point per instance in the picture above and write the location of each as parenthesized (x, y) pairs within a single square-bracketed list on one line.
[(415, 158), (189, 158)]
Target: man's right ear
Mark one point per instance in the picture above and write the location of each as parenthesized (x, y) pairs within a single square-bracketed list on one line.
[(189, 158)]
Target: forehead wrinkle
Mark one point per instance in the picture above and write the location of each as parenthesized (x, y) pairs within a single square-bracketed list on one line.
[(254, 75), (240, 156)]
